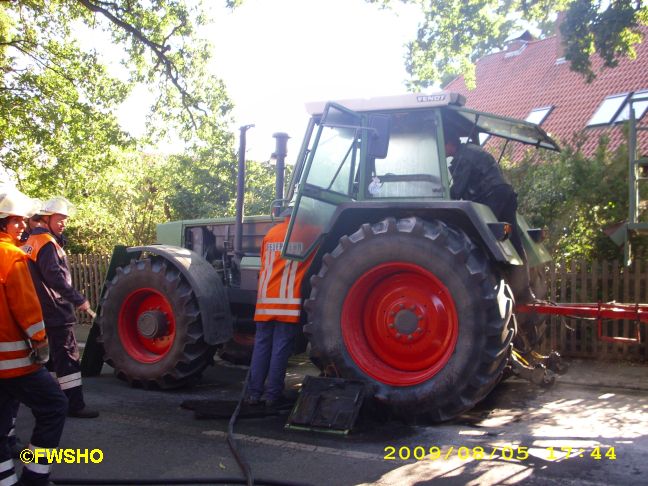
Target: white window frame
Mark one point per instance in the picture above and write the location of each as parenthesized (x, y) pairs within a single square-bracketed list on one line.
[(544, 113), (640, 107), (614, 102)]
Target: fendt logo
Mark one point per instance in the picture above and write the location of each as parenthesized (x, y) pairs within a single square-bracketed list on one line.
[(430, 98)]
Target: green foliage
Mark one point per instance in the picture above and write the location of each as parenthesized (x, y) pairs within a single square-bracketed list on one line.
[(198, 186), (121, 206), (58, 132), (260, 187), (575, 197), (611, 32), (54, 101), (453, 34)]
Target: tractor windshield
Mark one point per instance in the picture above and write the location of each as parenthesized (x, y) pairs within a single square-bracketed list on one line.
[(411, 168)]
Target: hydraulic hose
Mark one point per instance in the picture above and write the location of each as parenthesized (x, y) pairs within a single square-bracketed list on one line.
[(231, 442)]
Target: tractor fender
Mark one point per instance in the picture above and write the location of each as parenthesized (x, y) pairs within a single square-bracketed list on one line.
[(472, 218), (217, 323)]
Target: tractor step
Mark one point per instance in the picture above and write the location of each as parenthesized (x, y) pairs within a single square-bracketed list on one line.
[(327, 405)]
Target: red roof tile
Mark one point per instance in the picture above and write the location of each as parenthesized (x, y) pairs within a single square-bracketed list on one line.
[(513, 85)]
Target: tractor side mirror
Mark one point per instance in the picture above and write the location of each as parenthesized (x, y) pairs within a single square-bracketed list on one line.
[(379, 131)]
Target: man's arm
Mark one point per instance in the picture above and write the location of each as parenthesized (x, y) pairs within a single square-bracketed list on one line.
[(23, 302), (460, 176), (54, 275)]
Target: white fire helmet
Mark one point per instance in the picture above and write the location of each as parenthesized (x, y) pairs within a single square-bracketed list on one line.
[(15, 203), (58, 205)]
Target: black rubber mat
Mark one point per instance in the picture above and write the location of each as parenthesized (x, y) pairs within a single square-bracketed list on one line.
[(223, 409)]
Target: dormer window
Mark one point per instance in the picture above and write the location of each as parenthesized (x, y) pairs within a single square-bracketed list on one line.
[(516, 52), (538, 115)]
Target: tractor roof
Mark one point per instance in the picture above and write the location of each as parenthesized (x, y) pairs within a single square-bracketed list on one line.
[(462, 120), (399, 102)]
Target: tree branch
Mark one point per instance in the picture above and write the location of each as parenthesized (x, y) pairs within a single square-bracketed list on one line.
[(159, 50)]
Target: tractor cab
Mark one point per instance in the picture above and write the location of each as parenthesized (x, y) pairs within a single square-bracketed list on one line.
[(383, 151)]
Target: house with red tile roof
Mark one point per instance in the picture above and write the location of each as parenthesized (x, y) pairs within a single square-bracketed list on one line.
[(531, 80)]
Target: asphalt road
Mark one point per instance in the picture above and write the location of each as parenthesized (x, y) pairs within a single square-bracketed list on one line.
[(520, 434)]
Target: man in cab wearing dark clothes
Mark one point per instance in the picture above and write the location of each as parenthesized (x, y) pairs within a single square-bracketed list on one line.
[(477, 177), (58, 299)]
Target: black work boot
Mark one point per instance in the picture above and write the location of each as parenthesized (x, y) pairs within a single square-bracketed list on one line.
[(84, 412)]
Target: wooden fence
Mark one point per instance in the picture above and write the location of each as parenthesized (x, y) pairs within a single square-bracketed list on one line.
[(88, 273), (576, 282), (596, 282)]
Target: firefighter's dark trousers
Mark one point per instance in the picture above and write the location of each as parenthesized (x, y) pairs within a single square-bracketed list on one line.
[(41, 393), (64, 362)]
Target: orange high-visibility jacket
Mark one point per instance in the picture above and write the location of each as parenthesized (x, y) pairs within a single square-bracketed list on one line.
[(279, 292), (21, 319), (35, 242)]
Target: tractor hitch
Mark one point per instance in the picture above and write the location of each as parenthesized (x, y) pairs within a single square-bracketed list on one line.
[(537, 368)]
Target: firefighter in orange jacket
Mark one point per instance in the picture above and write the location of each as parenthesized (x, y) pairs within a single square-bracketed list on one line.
[(58, 299), (277, 315), (23, 349)]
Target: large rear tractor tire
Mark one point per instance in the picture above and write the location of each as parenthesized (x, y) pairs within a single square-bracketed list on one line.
[(411, 308), (532, 326), (151, 327)]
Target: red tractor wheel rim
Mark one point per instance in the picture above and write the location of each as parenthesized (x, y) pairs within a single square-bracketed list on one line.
[(147, 326), (399, 324)]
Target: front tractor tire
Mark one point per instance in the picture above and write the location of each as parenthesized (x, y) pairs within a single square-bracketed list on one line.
[(411, 308), (150, 326)]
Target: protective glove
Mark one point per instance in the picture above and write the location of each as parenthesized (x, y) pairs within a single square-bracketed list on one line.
[(40, 352)]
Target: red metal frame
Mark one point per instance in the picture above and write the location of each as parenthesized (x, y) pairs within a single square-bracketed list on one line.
[(599, 311)]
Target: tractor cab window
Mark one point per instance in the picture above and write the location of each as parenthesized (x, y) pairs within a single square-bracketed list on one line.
[(336, 156), (411, 168), (328, 179)]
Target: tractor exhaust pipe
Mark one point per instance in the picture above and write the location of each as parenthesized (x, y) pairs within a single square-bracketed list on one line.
[(240, 192), (279, 155)]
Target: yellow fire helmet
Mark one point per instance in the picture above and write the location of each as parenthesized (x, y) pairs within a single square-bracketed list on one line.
[(15, 203), (58, 205)]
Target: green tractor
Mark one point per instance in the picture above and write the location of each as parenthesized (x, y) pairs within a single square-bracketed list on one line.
[(410, 292)]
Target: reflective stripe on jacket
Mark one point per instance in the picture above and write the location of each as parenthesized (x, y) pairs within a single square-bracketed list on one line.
[(52, 279), (279, 291), (21, 319)]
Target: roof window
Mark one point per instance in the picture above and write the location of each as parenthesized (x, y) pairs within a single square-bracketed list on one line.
[(640, 104), (616, 108), (538, 115), (607, 111)]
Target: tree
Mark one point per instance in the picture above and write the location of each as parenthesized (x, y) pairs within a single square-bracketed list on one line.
[(575, 197), (58, 133), (453, 34), (122, 206)]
